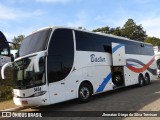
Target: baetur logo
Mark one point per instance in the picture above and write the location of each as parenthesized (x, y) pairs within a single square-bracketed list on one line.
[(94, 58)]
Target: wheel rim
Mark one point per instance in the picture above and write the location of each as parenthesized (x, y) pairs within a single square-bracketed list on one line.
[(147, 79), (141, 80), (84, 92)]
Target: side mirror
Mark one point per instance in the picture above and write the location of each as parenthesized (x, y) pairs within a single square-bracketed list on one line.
[(12, 58), (12, 44), (16, 55), (36, 61), (3, 68)]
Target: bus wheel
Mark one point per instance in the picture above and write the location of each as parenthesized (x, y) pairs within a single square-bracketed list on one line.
[(140, 80), (117, 78), (147, 79), (85, 92), (158, 75)]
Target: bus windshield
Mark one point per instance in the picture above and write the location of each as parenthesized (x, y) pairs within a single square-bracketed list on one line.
[(24, 74), (34, 43)]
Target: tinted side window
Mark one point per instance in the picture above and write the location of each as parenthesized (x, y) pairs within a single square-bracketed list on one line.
[(99, 43), (149, 49), (146, 49), (92, 42), (102, 43), (60, 55), (84, 41), (131, 48)]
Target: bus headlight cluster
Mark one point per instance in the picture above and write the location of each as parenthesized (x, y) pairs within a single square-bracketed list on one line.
[(38, 94), (16, 96)]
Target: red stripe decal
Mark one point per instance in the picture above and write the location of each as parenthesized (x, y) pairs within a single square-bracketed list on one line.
[(138, 70)]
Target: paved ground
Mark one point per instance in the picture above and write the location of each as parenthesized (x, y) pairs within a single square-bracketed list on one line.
[(131, 98)]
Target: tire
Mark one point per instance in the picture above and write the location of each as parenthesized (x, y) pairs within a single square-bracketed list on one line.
[(147, 79), (84, 93), (140, 81), (118, 78)]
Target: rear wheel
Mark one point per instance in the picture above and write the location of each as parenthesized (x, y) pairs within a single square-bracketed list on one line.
[(147, 79), (141, 80), (158, 75), (85, 92)]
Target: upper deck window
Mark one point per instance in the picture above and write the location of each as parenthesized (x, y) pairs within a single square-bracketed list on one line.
[(35, 42)]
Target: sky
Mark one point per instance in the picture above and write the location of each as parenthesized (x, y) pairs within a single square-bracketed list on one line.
[(25, 16)]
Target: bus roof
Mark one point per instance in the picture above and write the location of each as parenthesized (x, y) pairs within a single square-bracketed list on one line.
[(98, 33)]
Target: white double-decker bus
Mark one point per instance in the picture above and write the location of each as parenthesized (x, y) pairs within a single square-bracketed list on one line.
[(56, 64)]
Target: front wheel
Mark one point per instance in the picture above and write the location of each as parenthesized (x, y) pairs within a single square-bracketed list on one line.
[(85, 92)]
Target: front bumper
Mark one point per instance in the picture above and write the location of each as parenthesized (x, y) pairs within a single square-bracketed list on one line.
[(32, 101)]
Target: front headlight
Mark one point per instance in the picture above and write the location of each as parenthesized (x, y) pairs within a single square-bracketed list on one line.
[(16, 96), (34, 95), (38, 94)]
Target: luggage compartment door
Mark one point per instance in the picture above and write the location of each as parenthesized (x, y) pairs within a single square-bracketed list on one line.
[(118, 54)]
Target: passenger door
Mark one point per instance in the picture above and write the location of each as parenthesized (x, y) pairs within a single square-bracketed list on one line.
[(55, 79)]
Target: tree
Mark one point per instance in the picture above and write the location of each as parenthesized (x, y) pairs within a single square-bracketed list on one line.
[(103, 30), (116, 31), (17, 40), (153, 40), (108, 30), (82, 28), (129, 30), (133, 31)]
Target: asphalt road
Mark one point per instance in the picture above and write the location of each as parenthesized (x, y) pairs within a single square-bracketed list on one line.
[(132, 98)]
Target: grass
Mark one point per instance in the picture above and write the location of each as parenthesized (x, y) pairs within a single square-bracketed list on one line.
[(7, 104), (6, 88)]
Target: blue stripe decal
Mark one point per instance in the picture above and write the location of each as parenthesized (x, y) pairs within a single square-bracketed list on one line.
[(117, 47), (104, 83)]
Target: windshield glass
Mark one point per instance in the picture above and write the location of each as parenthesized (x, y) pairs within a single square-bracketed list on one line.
[(35, 42), (24, 74)]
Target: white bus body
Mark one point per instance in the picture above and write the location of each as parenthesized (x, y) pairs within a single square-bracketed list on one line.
[(157, 58), (58, 64)]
